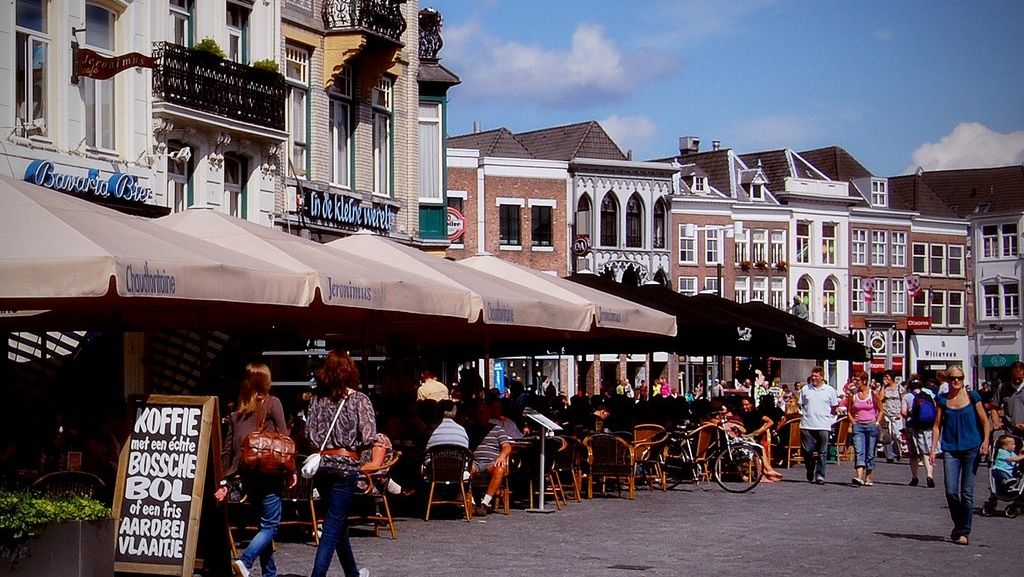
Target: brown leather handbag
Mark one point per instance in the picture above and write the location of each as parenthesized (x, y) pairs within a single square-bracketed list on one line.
[(265, 452)]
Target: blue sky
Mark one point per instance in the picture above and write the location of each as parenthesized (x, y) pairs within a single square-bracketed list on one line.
[(899, 84)]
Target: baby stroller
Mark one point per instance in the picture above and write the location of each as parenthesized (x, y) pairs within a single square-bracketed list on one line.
[(1012, 492)]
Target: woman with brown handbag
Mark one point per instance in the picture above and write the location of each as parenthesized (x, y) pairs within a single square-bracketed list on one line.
[(258, 411)]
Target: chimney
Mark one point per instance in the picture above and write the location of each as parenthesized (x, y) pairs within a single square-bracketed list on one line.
[(629, 154), (688, 145), (476, 127), (716, 145)]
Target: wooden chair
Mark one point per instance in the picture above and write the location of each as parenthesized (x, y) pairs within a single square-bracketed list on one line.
[(552, 485), (68, 483), (448, 466), (648, 445), (610, 456), (844, 451), (299, 506), (703, 434), (790, 437), (376, 480), (503, 499), (569, 461)]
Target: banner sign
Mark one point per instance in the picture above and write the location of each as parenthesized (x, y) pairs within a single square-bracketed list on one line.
[(95, 65), (456, 224), (338, 210), (119, 185), (913, 283)]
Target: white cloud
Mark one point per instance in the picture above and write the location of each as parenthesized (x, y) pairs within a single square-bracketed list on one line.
[(593, 69), (970, 145), (634, 133)]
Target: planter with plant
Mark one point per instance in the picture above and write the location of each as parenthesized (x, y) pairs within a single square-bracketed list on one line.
[(266, 65), (42, 536), (762, 264), (208, 47), (782, 265), (746, 264)]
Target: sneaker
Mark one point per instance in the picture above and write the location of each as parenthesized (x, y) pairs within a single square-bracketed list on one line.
[(238, 569), (869, 483), (819, 480), (913, 482), (364, 572), (481, 510), (857, 482), (810, 476), (930, 482)]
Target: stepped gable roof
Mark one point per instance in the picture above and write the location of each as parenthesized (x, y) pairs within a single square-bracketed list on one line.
[(836, 163), (716, 165), (963, 192), (582, 140), (499, 142)]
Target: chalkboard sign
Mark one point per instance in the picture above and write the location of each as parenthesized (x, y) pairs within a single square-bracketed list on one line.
[(161, 482)]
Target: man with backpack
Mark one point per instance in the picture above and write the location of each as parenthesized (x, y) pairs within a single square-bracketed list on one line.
[(1009, 399), (919, 413)]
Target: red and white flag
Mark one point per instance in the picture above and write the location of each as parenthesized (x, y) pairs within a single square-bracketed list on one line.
[(867, 286), (913, 283)]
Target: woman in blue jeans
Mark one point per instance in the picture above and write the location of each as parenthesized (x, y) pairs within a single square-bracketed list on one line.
[(865, 409), (965, 431)]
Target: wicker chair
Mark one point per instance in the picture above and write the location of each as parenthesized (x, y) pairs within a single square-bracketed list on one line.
[(448, 466), (612, 457), (66, 483), (790, 436), (376, 480), (553, 486), (844, 451), (648, 445), (569, 461), (299, 506)]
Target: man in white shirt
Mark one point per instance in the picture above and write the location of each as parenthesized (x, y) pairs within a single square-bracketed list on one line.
[(818, 403), (431, 388)]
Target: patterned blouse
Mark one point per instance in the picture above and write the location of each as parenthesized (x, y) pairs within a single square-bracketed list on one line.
[(355, 430)]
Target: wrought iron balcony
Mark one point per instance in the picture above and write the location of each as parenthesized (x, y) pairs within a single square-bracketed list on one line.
[(204, 82), (383, 17)]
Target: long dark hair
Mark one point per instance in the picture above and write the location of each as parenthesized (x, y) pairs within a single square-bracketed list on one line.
[(338, 373)]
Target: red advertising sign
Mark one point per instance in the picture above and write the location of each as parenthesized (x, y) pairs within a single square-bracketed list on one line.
[(581, 246), (858, 367), (456, 224), (919, 323), (877, 365), (897, 364), (95, 65)]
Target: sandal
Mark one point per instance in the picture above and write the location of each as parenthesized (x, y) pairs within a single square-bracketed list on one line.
[(962, 540)]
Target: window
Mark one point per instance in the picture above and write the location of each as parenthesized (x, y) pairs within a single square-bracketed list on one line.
[(382, 102), (660, 225), (955, 308), (857, 304), (1009, 239), (181, 22), (919, 306), (1011, 300), (634, 222), (879, 304), (778, 246), (859, 245), (700, 184), (712, 244), (179, 175), (879, 247), (431, 148), (830, 318), (899, 248), (828, 243), (879, 197), (508, 225), (955, 260), (803, 242), (236, 172), (238, 33), (937, 262), (990, 241), (742, 288), (584, 219), (540, 225), (687, 246), (991, 303), (756, 191), (899, 296), (803, 292), (99, 94), (759, 291), (899, 343), (711, 284), (742, 243), (778, 293), (688, 285), (920, 258), (341, 136), (759, 246), (32, 66), (937, 306), (297, 74), (609, 220)]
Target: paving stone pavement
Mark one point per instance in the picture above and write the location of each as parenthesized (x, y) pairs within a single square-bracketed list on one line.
[(786, 528)]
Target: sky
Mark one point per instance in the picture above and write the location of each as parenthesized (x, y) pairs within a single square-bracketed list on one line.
[(897, 83)]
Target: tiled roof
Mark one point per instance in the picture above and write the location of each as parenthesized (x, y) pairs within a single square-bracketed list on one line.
[(774, 164), (963, 191), (716, 164), (911, 193), (433, 71), (836, 163), (499, 142), (582, 140)]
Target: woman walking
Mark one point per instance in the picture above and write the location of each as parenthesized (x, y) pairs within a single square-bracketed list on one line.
[(341, 420), (963, 429), (865, 408), (257, 410), (892, 419)]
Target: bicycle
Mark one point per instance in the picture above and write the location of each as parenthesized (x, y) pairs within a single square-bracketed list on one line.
[(735, 462)]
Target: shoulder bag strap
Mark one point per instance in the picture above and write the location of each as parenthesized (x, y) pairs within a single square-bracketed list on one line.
[(261, 413), (330, 430)]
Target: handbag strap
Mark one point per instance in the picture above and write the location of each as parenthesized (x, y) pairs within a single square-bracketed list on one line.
[(333, 422), (261, 413)]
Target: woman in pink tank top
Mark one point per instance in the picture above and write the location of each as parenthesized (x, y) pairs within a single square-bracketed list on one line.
[(865, 409)]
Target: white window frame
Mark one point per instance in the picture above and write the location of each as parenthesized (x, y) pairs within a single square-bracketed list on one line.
[(700, 184), (899, 248), (955, 260), (711, 284), (955, 310), (430, 131), (741, 288), (830, 310), (880, 302), (383, 102), (857, 302), (777, 246), (1010, 300), (756, 191), (759, 289), (28, 122), (899, 296), (101, 95), (713, 247), (341, 142), (1009, 240), (859, 247), (879, 247), (236, 49), (924, 255), (759, 246), (180, 14), (687, 285), (899, 343), (742, 245), (803, 243), (919, 305), (777, 296), (937, 307), (297, 61), (687, 247), (233, 190), (990, 235), (879, 194), (550, 204), (828, 243), (937, 259), (519, 203)]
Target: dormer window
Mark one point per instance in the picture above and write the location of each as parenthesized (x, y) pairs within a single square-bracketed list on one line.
[(700, 184), (879, 194), (756, 191)]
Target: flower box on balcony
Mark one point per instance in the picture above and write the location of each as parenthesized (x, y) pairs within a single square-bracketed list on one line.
[(746, 265), (762, 264), (782, 265)]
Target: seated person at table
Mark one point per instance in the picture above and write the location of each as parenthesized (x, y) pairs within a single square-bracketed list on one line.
[(448, 432), (758, 425), (498, 418), (372, 459), (491, 457)]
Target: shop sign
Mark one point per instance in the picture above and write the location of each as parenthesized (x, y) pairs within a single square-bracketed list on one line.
[(119, 185), (338, 210), (581, 245), (456, 224), (897, 364), (877, 365), (95, 65), (856, 367), (998, 361), (919, 323)]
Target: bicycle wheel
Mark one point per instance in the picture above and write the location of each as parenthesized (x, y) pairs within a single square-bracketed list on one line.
[(679, 468), (738, 469)]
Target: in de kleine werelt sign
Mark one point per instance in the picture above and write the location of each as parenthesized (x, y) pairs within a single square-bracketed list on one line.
[(95, 65), (341, 211)]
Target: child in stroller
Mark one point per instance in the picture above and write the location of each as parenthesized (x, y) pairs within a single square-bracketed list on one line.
[(1005, 479)]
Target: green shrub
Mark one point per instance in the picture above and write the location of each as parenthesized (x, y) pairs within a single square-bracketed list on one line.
[(210, 46), (266, 64), (24, 514)]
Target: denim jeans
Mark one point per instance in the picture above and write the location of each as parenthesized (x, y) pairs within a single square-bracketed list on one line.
[(338, 490), (865, 444), (266, 493), (890, 438), (813, 445), (959, 469)]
